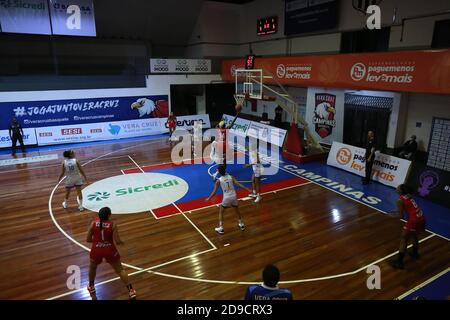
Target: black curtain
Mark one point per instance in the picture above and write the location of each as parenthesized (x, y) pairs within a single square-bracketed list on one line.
[(219, 100), (358, 120)]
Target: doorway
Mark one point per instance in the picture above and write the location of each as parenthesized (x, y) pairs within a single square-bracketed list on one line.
[(363, 114)]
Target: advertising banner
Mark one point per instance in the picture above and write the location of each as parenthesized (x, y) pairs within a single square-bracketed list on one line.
[(407, 71), (325, 114), (388, 170), (267, 133), (248, 128), (30, 16), (33, 114), (180, 65), (73, 17), (29, 138), (98, 131), (430, 183), (240, 127), (186, 122)]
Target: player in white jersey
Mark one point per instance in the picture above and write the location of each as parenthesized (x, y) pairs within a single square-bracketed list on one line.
[(257, 167), (197, 134), (74, 177), (216, 155), (227, 183)]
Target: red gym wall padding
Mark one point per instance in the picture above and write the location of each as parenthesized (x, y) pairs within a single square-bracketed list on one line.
[(294, 142)]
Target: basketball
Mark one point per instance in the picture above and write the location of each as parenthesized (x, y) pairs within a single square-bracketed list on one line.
[(238, 108)]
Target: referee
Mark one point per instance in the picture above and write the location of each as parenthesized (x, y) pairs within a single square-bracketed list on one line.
[(370, 156), (16, 134)]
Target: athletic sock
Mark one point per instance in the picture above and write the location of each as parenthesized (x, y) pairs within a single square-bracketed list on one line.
[(130, 287), (91, 283)]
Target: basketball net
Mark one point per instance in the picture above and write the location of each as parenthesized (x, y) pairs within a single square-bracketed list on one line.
[(240, 99)]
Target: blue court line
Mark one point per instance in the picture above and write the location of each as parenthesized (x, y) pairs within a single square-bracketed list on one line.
[(438, 289), (30, 149), (438, 217)]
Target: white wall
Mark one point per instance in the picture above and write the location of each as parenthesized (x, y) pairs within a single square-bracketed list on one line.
[(422, 108)]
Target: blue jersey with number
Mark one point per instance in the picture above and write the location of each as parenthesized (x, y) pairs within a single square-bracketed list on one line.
[(262, 292)]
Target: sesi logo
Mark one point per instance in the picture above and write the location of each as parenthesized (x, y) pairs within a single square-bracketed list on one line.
[(71, 131)]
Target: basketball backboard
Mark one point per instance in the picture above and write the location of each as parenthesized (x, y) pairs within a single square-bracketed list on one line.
[(249, 82)]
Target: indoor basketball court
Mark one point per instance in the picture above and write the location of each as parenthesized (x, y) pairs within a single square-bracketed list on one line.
[(141, 145)]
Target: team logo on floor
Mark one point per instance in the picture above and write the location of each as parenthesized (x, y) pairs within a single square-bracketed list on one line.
[(133, 193), (324, 114)]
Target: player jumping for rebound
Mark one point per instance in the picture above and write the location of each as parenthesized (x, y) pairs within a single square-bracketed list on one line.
[(256, 177), (413, 227), (222, 141), (227, 182), (74, 172), (104, 235)]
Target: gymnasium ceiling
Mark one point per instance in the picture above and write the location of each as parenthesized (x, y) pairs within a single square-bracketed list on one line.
[(161, 21)]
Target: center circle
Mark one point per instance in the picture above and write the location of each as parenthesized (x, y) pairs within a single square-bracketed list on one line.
[(133, 193)]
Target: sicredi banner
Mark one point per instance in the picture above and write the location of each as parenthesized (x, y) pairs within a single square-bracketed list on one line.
[(240, 127), (388, 170), (186, 122), (30, 16), (98, 131), (29, 138), (33, 114), (180, 65), (248, 128), (267, 133)]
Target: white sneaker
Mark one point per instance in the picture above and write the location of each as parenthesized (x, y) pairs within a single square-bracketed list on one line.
[(64, 205), (241, 226), (219, 230), (252, 195), (258, 199)]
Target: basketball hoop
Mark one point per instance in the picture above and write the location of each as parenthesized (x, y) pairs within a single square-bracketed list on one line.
[(240, 99)]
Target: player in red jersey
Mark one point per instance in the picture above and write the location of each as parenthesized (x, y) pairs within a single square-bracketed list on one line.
[(171, 124), (413, 227), (104, 234), (222, 129)]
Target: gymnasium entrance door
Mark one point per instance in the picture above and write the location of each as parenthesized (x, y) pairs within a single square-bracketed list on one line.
[(365, 113)]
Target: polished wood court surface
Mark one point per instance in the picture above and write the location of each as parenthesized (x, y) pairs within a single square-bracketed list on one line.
[(321, 241)]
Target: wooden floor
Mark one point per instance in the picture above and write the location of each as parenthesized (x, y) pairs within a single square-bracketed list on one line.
[(320, 240)]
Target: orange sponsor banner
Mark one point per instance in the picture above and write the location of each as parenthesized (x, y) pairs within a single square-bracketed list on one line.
[(410, 71)]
